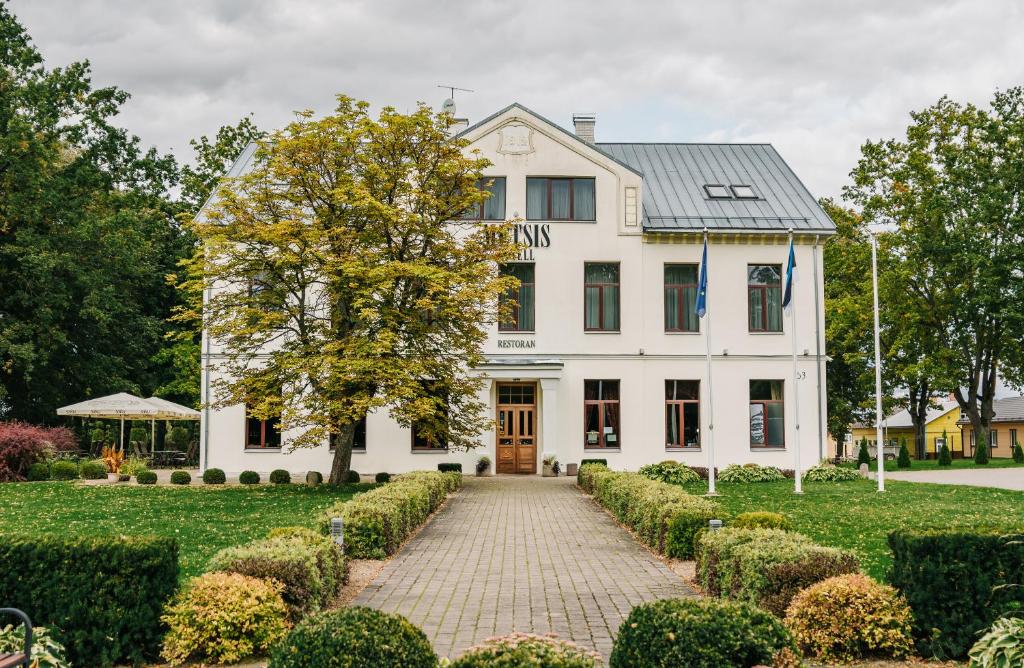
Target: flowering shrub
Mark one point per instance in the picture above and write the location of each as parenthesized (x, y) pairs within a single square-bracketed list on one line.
[(46, 652), (526, 649), (224, 618), (850, 617), (761, 519), (750, 473), (1003, 645), (830, 473), (669, 471)]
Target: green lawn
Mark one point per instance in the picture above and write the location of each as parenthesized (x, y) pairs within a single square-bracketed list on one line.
[(854, 515), (203, 519), (933, 465)]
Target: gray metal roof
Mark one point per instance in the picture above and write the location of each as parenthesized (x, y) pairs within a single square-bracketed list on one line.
[(675, 175), (1010, 409)]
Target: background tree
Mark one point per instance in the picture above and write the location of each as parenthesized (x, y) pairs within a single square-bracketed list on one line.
[(336, 282)]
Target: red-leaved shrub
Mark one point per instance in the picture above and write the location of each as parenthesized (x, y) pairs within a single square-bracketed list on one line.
[(22, 444)]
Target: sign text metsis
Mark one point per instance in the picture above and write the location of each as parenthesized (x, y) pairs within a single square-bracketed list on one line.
[(530, 236)]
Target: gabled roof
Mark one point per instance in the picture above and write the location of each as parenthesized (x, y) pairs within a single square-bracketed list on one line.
[(902, 419), (1010, 409), (674, 198)]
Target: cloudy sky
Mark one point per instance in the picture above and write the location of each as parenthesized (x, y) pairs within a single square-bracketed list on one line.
[(814, 78)]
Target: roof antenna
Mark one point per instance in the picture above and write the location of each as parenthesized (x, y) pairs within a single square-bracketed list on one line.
[(449, 104)]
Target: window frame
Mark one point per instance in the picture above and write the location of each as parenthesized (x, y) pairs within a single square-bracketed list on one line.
[(736, 191), (763, 288), (669, 404), (602, 444), (764, 408), (266, 426), (518, 328), (600, 302), (679, 297), (572, 199), (711, 195), (482, 204)]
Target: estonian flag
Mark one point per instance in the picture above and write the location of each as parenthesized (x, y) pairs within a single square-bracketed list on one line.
[(702, 287), (791, 276)]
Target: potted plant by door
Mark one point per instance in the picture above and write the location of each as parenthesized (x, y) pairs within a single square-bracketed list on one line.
[(483, 466), (551, 466)]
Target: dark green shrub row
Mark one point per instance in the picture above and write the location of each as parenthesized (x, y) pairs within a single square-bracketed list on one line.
[(377, 521), (309, 565), (280, 477), (957, 584), (214, 477), (664, 516), (699, 633), (146, 477), (602, 462), (382, 477), (181, 478), (765, 567), (92, 469), (249, 478), (449, 467), (101, 597)]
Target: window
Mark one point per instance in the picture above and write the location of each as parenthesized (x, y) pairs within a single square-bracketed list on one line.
[(601, 414), (560, 199), (520, 318), (681, 298), (744, 192), (358, 439), (993, 439), (764, 297), (492, 208), (1013, 438), (427, 433), (601, 297), (262, 434), (717, 191), (767, 423), (682, 413), (939, 444)]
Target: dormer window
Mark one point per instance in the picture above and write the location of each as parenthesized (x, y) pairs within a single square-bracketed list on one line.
[(560, 199), (717, 191), (744, 192)]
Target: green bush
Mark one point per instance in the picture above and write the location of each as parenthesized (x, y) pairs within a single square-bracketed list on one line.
[(293, 559), (139, 435), (92, 469), (980, 452), (903, 461), (249, 478), (863, 454), (848, 618), (750, 473), (1002, 646), (830, 473), (146, 477), (177, 438), (330, 560), (214, 477), (181, 478), (584, 475), (382, 477), (280, 477), (698, 633), (525, 649), (602, 462), (38, 471), (101, 597), (224, 618), (132, 465), (355, 636), (378, 521), (669, 471), (765, 567), (314, 478), (945, 459), (761, 519), (46, 652), (1018, 453), (957, 584), (351, 476), (449, 467)]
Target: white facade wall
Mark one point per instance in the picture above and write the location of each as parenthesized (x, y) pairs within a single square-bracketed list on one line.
[(641, 355)]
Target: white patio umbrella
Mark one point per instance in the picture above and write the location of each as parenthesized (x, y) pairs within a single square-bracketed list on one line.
[(170, 411), (121, 406)]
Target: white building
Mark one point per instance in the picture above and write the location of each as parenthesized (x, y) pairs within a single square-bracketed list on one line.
[(606, 358)]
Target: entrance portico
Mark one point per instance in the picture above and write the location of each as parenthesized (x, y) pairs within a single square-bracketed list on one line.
[(524, 397)]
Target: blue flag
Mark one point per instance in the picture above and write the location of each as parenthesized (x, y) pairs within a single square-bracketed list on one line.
[(702, 287), (791, 276)]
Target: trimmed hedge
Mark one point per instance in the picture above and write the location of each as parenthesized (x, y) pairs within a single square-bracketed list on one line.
[(449, 467), (527, 649), (955, 583), (146, 477), (100, 597), (92, 470), (765, 567), (699, 633), (378, 521), (249, 478), (214, 477), (355, 636), (602, 462), (37, 472), (280, 477), (382, 477), (351, 476), (181, 478), (663, 516), (761, 519)]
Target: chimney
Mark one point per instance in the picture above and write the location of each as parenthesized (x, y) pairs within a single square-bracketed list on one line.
[(584, 124)]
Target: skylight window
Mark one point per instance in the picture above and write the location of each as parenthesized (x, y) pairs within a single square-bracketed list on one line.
[(717, 191), (744, 192)]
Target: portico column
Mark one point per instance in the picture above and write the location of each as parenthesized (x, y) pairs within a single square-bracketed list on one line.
[(550, 416)]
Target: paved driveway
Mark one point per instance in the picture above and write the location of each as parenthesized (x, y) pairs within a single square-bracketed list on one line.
[(1011, 478), (527, 554)]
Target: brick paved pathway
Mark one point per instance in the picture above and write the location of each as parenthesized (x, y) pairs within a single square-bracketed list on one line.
[(520, 554)]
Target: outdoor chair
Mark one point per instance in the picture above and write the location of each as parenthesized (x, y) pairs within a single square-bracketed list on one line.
[(23, 658)]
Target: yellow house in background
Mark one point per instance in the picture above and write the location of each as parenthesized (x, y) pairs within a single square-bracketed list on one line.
[(899, 425)]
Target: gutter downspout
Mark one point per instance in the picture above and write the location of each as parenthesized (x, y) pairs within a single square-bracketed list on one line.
[(817, 348)]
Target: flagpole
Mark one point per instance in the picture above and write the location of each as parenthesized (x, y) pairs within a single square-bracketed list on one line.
[(798, 487), (711, 400), (880, 447)]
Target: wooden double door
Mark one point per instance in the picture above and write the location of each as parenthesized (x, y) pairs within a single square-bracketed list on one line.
[(517, 428)]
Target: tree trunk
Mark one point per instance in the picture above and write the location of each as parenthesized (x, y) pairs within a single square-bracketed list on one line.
[(920, 398), (342, 454)]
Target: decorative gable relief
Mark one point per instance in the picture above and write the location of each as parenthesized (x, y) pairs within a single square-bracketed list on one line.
[(515, 139)]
